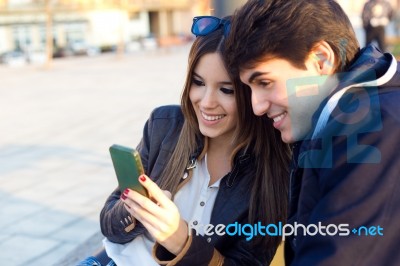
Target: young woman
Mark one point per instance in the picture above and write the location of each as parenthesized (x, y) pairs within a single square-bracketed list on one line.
[(221, 164)]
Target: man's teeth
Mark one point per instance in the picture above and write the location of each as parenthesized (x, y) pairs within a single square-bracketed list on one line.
[(212, 117), (279, 117)]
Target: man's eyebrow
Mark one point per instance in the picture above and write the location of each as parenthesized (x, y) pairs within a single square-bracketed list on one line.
[(255, 75)]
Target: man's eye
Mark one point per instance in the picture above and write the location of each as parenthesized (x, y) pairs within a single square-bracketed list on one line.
[(261, 83), (198, 82), (227, 91)]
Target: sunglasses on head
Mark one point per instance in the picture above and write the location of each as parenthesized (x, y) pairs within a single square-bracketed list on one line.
[(204, 25)]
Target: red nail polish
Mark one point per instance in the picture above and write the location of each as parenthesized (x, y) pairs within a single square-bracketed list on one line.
[(126, 191), (123, 196), (142, 178)]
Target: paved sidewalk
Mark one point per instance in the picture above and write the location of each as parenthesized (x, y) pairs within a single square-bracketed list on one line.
[(55, 129)]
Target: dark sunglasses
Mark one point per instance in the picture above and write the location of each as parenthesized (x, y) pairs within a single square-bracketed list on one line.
[(204, 25)]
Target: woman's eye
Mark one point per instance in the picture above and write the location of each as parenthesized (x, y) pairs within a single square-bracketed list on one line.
[(198, 82), (227, 91)]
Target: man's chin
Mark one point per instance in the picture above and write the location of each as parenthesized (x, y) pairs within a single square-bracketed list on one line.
[(287, 138)]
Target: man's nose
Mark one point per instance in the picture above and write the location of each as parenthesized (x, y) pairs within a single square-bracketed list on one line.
[(260, 105)]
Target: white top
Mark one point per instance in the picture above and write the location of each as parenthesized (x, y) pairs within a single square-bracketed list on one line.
[(195, 201)]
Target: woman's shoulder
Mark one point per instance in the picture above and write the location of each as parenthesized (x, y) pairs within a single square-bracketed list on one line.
[(167, 112)]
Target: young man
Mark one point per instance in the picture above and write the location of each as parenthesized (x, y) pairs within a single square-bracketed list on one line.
[(338, 107)]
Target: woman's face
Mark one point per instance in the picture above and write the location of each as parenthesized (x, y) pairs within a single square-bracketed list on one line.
[(213, 99)]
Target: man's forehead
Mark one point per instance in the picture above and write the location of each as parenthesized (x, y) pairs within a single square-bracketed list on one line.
[(251, 67), (245, 73), (254, 67), (256, 64)]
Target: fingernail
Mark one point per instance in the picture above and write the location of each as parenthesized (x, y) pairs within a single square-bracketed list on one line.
[(142, 178), (123, 196), (126, 191)]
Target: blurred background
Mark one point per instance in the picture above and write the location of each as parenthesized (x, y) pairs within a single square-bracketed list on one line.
[(354, 10), (77, 76), (35, 31)]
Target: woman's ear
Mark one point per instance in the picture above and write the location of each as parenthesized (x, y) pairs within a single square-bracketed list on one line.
[(325, 58)]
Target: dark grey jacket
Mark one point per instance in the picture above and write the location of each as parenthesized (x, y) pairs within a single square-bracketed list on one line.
[(160, 136)]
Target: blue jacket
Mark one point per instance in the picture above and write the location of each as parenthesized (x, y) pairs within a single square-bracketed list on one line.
[(160, 136), (345, 177)]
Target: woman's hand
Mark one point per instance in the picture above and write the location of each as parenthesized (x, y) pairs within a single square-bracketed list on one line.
[(159, 215)]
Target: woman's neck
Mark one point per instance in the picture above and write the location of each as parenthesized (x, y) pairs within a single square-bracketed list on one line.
[(219, 159)]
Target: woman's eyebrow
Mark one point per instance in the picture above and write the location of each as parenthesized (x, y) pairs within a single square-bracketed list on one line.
[(226, 83), (221, 82), (197, 75)]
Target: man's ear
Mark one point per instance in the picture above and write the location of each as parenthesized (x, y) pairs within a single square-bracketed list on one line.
[(325, 58)]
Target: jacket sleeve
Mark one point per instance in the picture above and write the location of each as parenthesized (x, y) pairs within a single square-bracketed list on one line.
[(115, 221), (390, 11), (198, 251), (160, 134), (366, 14), (356, 184)]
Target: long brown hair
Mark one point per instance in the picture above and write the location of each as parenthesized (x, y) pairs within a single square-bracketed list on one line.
[(255, 134), (190, 133)]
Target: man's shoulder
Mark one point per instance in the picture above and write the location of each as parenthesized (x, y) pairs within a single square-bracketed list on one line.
[(362, 110), (389, 98)]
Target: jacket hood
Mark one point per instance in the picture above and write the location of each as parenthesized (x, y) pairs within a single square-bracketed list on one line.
[(370, 64), (370, 68)]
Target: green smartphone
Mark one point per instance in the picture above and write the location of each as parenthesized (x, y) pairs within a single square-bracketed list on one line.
[(128, 167)]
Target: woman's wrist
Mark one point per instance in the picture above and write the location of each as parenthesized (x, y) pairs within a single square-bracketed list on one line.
[(178, 241)]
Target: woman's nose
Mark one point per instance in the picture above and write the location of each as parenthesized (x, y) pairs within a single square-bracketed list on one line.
[(209, 99)]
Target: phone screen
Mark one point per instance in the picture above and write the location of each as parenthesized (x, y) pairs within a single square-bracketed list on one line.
[(128, 167)]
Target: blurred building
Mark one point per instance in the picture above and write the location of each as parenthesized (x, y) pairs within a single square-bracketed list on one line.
[(24, 24)]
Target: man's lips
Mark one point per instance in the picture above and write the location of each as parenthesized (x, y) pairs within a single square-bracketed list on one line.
[(279, 117)]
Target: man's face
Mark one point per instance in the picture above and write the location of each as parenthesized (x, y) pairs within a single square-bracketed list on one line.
[(286, 94)]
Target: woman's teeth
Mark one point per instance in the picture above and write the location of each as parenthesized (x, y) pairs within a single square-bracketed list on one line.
[(211, 117)]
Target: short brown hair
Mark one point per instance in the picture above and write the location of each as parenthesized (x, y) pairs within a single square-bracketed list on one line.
[(289, 30)]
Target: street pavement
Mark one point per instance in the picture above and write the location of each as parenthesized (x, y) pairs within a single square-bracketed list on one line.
[(56, 125)]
